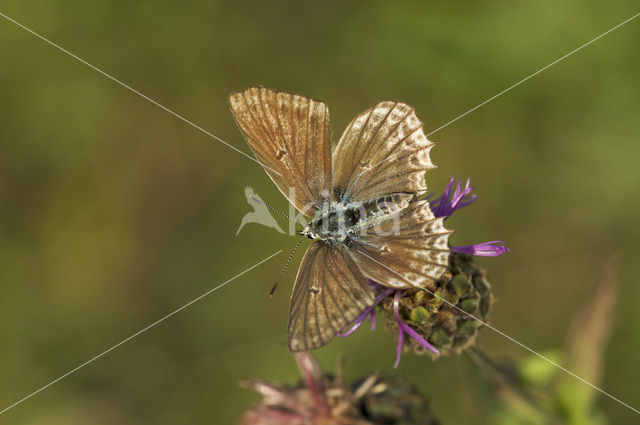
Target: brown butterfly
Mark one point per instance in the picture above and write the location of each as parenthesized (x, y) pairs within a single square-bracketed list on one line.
[(367, 221)]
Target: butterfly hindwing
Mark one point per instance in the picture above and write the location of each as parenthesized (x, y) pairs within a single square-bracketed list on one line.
[(290, 136), (330, 292), (405, 249), (383, 150)]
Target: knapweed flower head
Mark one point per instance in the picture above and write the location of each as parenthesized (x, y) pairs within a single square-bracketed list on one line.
[(323, 399), (445, 317)]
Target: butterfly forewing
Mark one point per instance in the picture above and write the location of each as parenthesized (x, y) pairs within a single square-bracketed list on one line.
[(330, 292), (383, 151), (290, 136), (406, 249)]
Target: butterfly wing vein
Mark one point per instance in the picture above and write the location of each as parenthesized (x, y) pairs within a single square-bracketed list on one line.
[(329, 293)]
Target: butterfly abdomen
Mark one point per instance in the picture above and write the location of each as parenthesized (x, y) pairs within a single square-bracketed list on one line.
[(387, 204)]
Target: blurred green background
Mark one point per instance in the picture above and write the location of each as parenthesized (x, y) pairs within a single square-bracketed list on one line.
[(114, 213)]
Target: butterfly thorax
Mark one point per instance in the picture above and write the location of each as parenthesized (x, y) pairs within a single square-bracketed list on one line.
[(338, 221)]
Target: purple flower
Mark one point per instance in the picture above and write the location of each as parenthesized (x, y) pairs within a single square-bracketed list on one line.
[(447, 203), (370, 313)]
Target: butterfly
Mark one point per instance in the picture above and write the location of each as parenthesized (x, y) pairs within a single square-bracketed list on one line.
[(367, 220)]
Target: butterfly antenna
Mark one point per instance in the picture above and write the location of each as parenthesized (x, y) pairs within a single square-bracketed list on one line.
[(260, 201), (273, 289)]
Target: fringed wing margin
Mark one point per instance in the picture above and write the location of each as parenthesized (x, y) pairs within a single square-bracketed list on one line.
[(406, 249), (383, 150), (329, 293), (290, 136)]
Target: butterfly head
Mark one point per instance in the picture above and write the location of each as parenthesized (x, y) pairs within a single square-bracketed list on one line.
[(316, 230), (308, 232)]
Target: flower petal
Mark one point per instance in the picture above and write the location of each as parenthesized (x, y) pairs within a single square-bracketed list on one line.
[(486, 249), (369, 312), (396, 314), (442, 206)]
